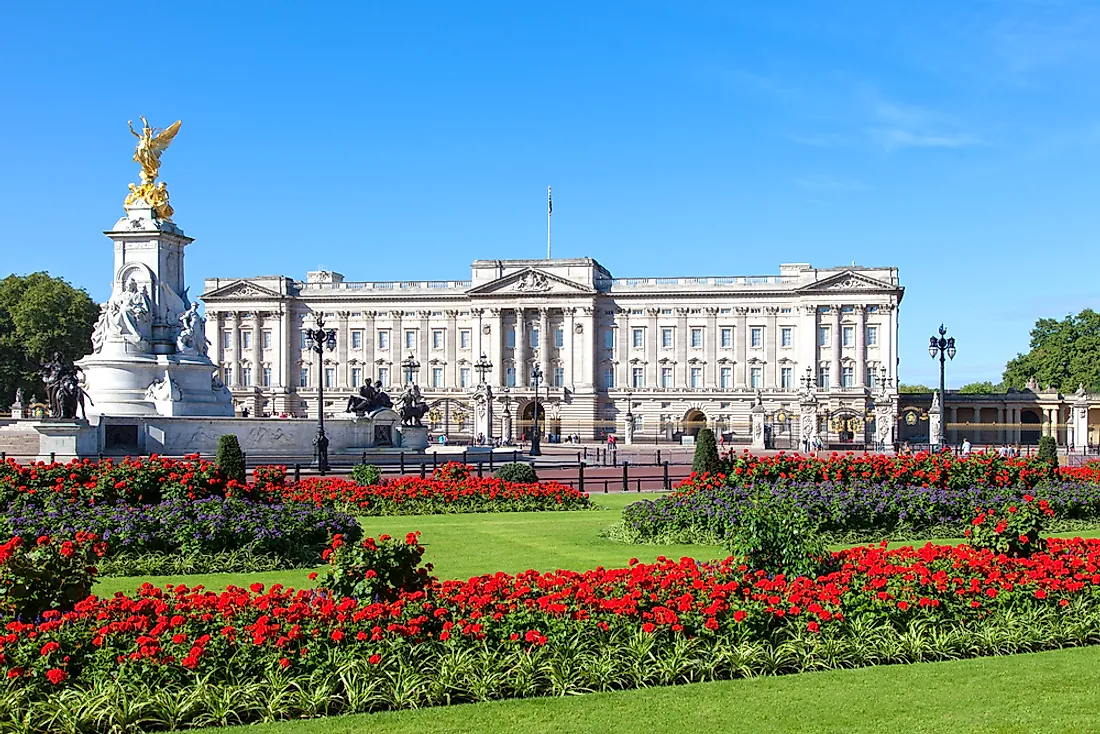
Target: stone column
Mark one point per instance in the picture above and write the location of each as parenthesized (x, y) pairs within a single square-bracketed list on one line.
[(520, 351), (569, 356), (861, 347), (951, 430), (771, 349), (291, 349), (807, 343), (587, 346), (257, 348), (654, 347), (711, 337), (740, 343), (218, 319), (425, 354), (977, 425), (890, 340), (235, 347), (343, 339), (834, 359), (370, 369), (545, 345), (622, 354), (476, 343), (999, 436), (680, 341), (450, 341), (496, 345)]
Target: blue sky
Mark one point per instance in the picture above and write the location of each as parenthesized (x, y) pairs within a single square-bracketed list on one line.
[(959, 141)]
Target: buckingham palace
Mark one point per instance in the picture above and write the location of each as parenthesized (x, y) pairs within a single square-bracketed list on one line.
[(676, 353)]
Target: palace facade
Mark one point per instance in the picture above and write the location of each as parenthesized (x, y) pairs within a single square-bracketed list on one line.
[(678, 353)]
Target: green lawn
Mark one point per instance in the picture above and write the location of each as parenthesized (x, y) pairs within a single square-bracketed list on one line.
[(1045, 692), (461, 546)]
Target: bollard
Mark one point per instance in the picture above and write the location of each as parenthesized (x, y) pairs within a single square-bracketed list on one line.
[(402, 457), (626, 479), (99, 456), (490, 461), (422, 472), (479, 474), (297, 473), (585, 452), (580, 476), (364, 459), (578, 457), (53, 457), (465, 458), (435, 461), (515, 456), (658, 456), (667, 487)]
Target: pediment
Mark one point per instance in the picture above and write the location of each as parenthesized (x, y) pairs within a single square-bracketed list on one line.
[(529, 281), (850, 280), (242, 289)]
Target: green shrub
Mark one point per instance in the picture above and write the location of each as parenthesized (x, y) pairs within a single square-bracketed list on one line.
[(49, 573), (1015, 529), (517, 472), (1048, 451), (706, 453), (230, 458), (366, 475), (375, 570), (778, 537)]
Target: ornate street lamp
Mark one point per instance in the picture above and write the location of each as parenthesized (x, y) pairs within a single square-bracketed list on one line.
[(483, 367), (536, 377), (410, 365), (944, 347), (318, 340)]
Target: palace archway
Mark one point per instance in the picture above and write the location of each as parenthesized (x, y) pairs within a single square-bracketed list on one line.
[(694, 420)]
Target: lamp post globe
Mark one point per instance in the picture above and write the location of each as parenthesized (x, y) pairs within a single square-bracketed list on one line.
[(944, 348), (536, 378), (410, 365)]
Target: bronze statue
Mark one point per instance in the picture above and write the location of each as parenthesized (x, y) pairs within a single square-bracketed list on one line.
[(413, 407), (370, 398), (64, 394)]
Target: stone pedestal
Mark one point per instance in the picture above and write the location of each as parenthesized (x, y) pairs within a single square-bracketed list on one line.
[(483, 414), (506, 425), (65, 440), (413, 438), (628, 429), (807, 421), (1079, 421), (758, 427), (935, 420), (149, 346)]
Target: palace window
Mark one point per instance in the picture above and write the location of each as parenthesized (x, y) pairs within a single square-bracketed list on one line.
[(535, 337), (872, 336), (464, 339), (437, 339), (756, 337), (848, 336), (639, 338), (823, 336), (303, 377), (330, 377), (357, 339), (559, 376), (666, 377), (384, 376), (756, 377), (356, 376), (609, 377), (696, 338), (227, 375), (305, 341), (384, 339), (246, 340), (696, 377), (437, 377), (727, 337), (464, 377), (410, 339), (559, 337), (823, 377), (786, 336), (848, 376), (666, 338), (246, 376), (637, 377), (609, 339), (266, 339), (666, 311), (510, 376), (227, 340), (786, 378), (725, 377), (510, 337), (265, 377)]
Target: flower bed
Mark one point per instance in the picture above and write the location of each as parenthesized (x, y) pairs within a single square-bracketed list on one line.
[(195, 536), (416, 496), (923, 469), (247, 654), (853, 511)]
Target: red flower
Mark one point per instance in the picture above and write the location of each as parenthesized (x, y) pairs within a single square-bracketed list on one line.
[(56, 675)]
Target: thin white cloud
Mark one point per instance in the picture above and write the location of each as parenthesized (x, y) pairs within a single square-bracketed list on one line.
[(894, 138), (818, 139)]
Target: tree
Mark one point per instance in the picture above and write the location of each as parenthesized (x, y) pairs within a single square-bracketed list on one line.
[(229, 457), (981, 388), (706, 453), (1063, 354), (40, 315), (910, 389)]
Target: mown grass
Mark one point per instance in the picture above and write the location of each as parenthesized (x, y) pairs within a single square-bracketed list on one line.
[(1044, 692)]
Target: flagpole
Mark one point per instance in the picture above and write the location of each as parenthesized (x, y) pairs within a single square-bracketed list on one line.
[(549, 212)]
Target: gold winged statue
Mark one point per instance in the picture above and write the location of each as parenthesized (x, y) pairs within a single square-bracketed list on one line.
[(151, 143)]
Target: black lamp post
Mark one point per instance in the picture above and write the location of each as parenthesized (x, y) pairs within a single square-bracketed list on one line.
[(808, 380), (410, 365), (944, 347), (318, 341), (483, 366), (536, 377)]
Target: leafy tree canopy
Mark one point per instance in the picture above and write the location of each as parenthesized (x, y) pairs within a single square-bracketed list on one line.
[(40, 315), (981, 388), (908, 389), (1063, 354)]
